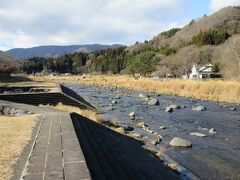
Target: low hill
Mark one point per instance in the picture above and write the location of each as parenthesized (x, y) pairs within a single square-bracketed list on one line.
[(53, 51)]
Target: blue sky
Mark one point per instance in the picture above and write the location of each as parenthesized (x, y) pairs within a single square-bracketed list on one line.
[(29, 23)]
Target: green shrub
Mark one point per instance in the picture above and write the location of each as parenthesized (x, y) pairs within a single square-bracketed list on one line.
[(210, 37), (167, 50), (170, 32), (216, 67)]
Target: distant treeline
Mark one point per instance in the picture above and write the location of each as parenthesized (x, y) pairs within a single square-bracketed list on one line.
[(102, 61)]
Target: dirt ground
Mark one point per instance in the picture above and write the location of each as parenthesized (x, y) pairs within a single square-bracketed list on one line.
[(15, 132)]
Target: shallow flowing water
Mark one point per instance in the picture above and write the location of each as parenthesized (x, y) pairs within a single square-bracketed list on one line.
[(213, 157)]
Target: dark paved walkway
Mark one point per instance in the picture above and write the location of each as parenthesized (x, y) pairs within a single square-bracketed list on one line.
[(56, 153)]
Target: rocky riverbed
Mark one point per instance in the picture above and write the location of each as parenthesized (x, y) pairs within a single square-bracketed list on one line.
[(207, 132)]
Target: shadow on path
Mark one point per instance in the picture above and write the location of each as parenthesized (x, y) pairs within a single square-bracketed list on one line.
[(110, 155)]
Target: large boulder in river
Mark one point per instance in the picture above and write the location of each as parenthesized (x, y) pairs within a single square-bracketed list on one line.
[(179, 142)]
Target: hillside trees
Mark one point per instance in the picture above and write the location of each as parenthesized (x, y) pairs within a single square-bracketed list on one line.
[(108, 61), (71, 63), (210, 37), (143, 64)]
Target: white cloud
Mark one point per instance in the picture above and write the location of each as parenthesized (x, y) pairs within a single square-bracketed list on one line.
[(29, 23), (218, 4)]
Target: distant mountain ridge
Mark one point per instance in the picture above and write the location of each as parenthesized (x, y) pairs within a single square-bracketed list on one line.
[(55, 50)]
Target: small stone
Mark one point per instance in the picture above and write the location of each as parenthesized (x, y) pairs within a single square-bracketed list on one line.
[(179, 142), (154, 142), (137, 135), (233, 109), (198, 134), (141, 95), (199, 108), (114, 102), (141, 124), (149, 130), (212, 131), (163, 127), (169, 109), (120, 130), (153, 102), (110, 109), (174, 106), (132, 114), (117, 97)]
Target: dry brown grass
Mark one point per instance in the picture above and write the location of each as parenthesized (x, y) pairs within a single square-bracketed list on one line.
[(15, 132), (214, 90)]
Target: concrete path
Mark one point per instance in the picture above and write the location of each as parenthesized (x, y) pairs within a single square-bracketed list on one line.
[(56, 153)]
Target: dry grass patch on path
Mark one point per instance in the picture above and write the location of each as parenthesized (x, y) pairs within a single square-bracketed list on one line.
[(15, 133)]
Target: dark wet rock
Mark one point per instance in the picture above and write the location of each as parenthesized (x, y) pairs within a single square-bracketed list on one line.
[(169, 109), (153, 102), (179, 142), (128, 128), (174, 106), (212, 131), (198, 134), (199, 108), (162, 127), (141, 124), (183, 106)]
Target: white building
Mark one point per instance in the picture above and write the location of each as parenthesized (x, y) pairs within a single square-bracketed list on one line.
[(206, 69), (195, 73)]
